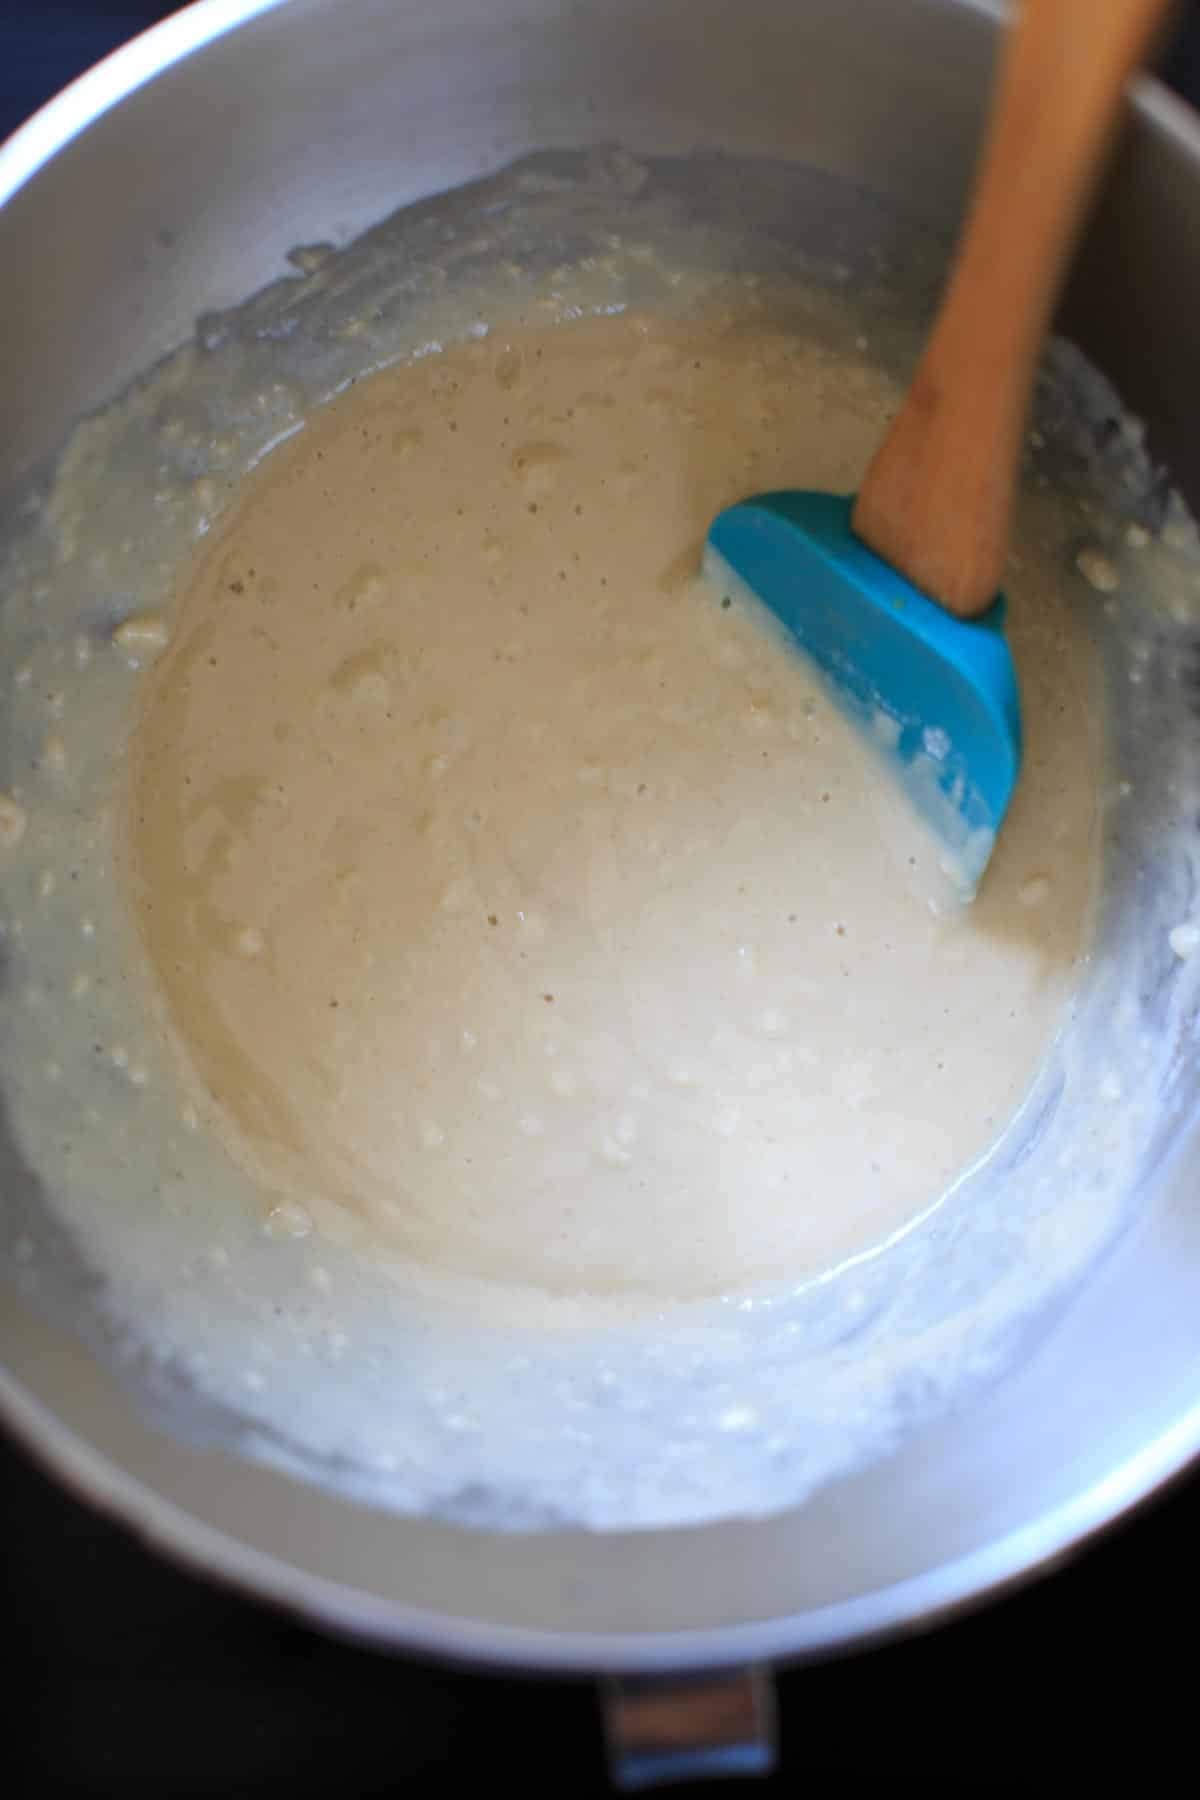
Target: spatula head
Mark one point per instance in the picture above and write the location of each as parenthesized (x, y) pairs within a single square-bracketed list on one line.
[(938, 695)]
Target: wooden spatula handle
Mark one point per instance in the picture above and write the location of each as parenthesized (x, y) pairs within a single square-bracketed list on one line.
[(937, 498)]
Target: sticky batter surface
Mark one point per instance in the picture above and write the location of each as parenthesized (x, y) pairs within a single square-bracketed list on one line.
[(517, 900), (298, 695)]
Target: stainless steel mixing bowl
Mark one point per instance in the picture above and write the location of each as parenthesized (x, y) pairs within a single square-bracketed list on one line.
[(174, 179)]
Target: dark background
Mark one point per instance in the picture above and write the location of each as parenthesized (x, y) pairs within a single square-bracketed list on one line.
[(122, 1677)]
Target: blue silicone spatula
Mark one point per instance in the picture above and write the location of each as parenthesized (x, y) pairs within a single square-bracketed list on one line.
[(895, 594)]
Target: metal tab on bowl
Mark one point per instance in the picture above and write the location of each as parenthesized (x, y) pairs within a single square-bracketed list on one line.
[(667, 1728)]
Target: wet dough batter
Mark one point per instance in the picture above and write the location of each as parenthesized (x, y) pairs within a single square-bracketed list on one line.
[(508, 891)]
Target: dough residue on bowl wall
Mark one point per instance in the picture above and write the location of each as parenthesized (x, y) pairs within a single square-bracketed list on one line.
[(490, 1033)]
